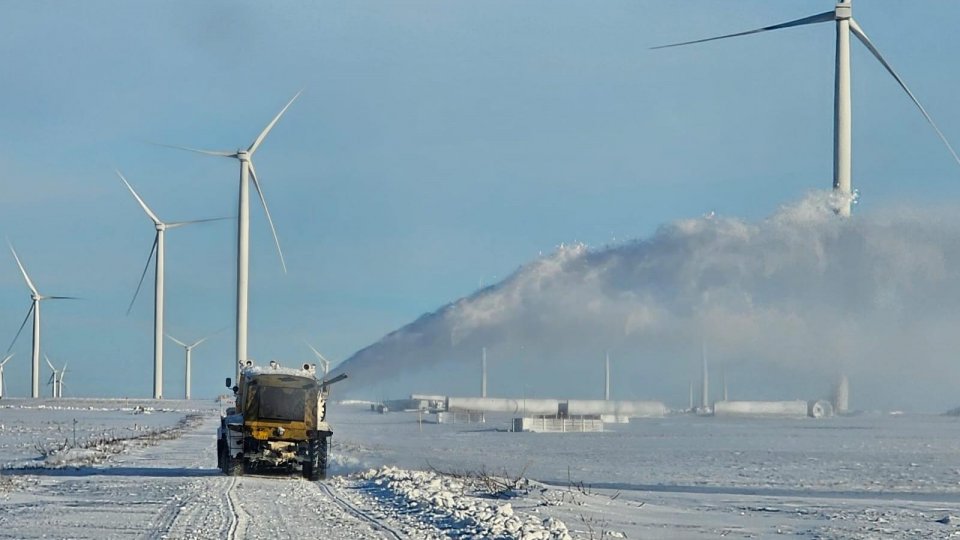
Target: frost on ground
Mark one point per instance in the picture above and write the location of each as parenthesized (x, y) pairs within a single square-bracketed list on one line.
[(434, 505), (96, 449)]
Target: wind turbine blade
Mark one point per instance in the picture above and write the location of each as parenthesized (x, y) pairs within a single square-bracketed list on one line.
[(208, 336), (63, 370), (266, 130), (175, 340), (199, 151), (61, 298), (144, 274), (857, 31), (23, 271), (266, 210), (175, 224), (813, 19), (6, 359), (47, 358), (315, 351), (143, 205), (24, 323)]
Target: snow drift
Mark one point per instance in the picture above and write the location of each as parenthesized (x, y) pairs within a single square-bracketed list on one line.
[(784, 305)]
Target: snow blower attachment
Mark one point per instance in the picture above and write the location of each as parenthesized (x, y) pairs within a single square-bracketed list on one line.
[(279, 421)]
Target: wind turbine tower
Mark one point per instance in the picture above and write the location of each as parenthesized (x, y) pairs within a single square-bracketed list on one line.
[(606, 381), (841, 395), (3, 388), (704, 385), (842, 15), (483, 373), (247, 173), (35, 298)]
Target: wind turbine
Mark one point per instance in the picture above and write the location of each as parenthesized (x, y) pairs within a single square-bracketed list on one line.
[(846, 25), (189, 348), (56, 378), (247, 173), (63, 371), (35, 298), (323, 361), (3, 387), (158, 248)]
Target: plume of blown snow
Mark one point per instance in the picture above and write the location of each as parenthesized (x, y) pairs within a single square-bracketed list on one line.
[(784, 305)]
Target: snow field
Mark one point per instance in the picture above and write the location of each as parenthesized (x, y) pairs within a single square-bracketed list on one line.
[(684, 478)]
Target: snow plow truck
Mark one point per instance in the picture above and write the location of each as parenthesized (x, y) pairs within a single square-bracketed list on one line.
[(279, 422)]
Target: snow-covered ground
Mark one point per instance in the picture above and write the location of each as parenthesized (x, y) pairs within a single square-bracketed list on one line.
[(872, 476)]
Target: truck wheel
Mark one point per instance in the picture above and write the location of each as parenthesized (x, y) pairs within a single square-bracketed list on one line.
[(315, 466), (234, 466), (324, 448), (221, 451)]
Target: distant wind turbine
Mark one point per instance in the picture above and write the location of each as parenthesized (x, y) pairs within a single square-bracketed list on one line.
[(56, 378), (189, 348), (158, 248), (247, 173), (323, 361), (842, 14), (3, 387), (35, 298)]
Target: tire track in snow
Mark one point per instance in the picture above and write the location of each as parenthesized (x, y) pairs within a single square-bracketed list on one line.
[(167, 516), (353, 510), (238, 517)]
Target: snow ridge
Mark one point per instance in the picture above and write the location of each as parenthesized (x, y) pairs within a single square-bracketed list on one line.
[(443, 502)]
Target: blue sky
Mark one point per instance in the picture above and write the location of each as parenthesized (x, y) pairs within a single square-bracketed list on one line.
[(437, 146)]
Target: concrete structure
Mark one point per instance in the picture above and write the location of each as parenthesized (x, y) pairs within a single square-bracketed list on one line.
[(820, 408), (797, 408), (525, 407), (558, 425), (623, 409), (558, 408), (453, 417)]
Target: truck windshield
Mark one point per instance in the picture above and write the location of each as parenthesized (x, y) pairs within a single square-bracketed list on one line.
[(278, 403)]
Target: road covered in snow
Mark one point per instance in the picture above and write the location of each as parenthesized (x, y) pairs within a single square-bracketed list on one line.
[(163, 483), (147, 470), (168, 488)]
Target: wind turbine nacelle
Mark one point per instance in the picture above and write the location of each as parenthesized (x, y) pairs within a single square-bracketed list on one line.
[(844, 11)]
